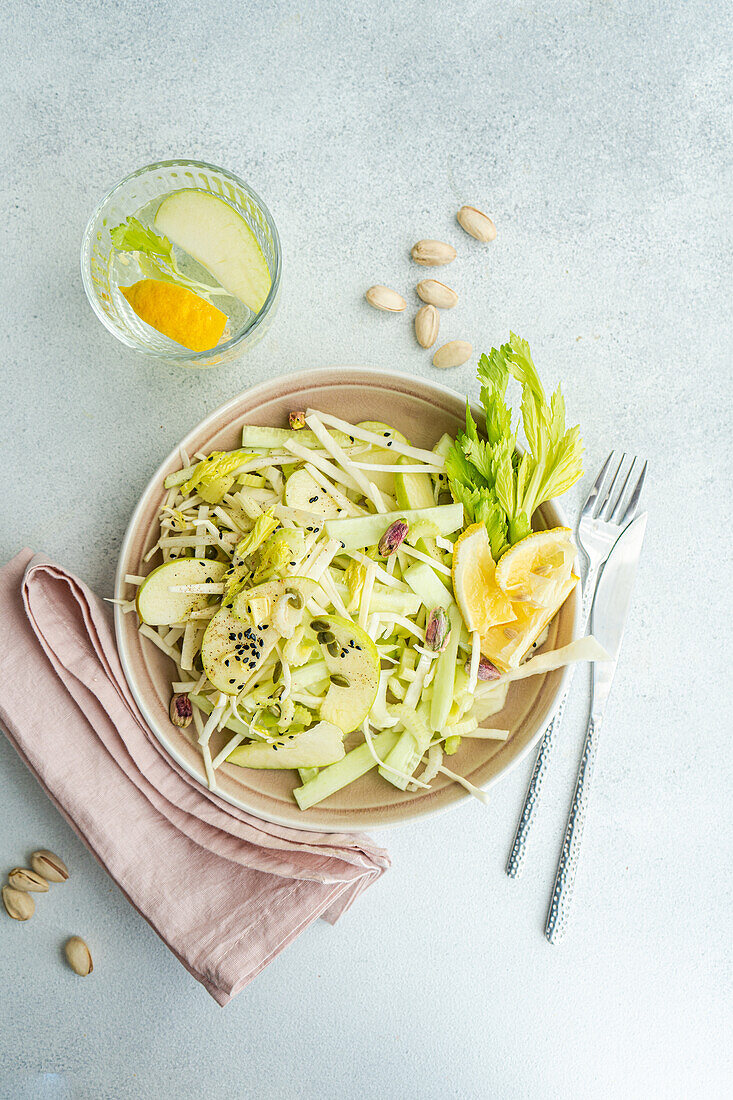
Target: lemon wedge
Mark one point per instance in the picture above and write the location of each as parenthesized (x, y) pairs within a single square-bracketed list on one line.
[(511, 603), (482, 602), (506, 643), (535, 569)]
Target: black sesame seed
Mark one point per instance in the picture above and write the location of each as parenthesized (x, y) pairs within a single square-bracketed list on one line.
[(312, 500), (232, 637), (231, 681)]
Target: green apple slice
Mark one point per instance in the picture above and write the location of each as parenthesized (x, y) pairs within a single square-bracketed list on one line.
[(361, 531), (353, 665), (322, 744), (216, 235), (156, 605), (301, 491), (413, 490), (232, 651), (381, 456)]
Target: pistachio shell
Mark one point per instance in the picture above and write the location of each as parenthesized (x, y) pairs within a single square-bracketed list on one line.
[(453, 354), (436, 294), (476, 223), (427, 323), (433, 253), (18, 903), (20, 878), (50, 866), (78, 956), (381, 297)]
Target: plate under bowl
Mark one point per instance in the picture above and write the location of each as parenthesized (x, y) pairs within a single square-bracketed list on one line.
[(423, 411)]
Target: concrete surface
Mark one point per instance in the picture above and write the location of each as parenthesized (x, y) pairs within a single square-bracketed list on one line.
[(596, 134)]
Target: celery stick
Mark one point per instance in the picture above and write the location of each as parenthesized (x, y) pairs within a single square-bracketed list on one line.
[(335, 776), (445, 675), (275, 438), (206, 706), (426, 584), (408, 752)]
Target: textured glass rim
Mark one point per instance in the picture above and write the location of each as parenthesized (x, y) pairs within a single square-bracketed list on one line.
[(184, 354)]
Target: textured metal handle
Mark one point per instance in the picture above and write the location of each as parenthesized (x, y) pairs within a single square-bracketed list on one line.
[(559, 911), (515, 863)]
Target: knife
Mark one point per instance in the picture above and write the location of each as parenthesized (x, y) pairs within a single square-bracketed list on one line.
[(608, 620)]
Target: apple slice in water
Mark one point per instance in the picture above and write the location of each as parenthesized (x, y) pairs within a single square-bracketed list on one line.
[(216, 235), (156, 605)]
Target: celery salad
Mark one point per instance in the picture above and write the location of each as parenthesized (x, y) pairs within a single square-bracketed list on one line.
[(335, 599)]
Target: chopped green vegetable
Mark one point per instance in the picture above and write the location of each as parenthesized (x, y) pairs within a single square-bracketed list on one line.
[(155, 255), (212, 477), (133, 236), (496, 484), (263, 528)]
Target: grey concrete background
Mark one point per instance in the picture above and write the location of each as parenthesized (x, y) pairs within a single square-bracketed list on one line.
[(597, 135)]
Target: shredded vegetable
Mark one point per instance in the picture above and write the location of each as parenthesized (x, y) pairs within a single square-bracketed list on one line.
[(283, 617)]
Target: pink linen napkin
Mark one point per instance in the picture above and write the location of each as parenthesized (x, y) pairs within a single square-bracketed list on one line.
[(224, 890)]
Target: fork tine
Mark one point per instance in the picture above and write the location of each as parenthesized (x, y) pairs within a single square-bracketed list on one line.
[(614, 502), (591, 498), (607, 489), (630, 509), (598, 486)]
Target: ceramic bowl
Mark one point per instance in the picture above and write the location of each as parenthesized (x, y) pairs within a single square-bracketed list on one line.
[(423, 411)]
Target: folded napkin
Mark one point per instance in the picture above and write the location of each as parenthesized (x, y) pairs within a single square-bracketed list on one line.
[(223, 889)]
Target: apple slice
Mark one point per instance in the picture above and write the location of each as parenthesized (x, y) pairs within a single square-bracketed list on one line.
[(352, 660), (212, 231), (156, 605), (322, 744), (232, 650)]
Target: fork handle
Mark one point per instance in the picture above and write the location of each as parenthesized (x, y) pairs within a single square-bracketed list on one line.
[(515, 862), (559, 911)]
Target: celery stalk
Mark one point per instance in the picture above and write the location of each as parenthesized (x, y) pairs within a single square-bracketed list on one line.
[(408, 752), (446, 673), (335, 776), (426, 584)]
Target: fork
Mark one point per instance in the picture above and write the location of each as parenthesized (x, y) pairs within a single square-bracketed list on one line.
[(605, 514)]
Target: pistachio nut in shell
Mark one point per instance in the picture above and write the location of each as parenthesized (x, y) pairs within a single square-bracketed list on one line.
[(453, 354), (386, 299), (18, 903), (50, 866), (433, 253), (476, 223), (78, 956), (20, 878), (427, 324), (435, 293)]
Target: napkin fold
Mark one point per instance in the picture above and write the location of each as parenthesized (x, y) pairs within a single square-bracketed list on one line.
[(224, 890)]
